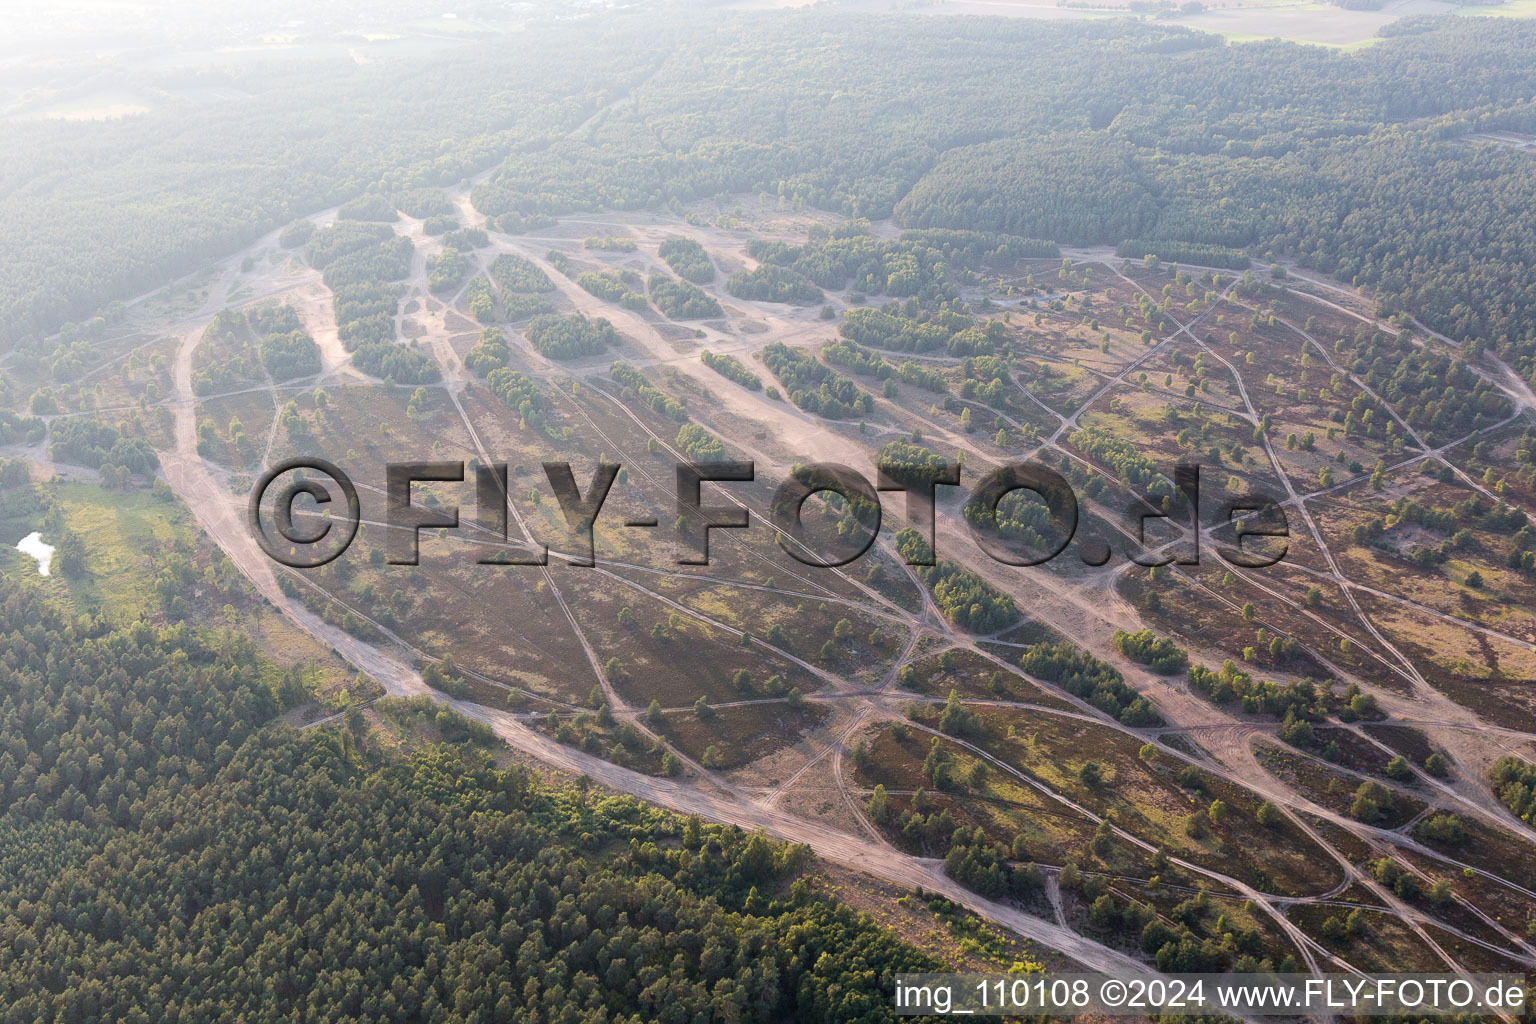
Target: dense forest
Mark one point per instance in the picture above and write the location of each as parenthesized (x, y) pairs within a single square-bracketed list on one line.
[(1444, 400), (209, 178), (614, 286), (360, 262), (681, 300), (286, 349), (966, 599), (516, 274), (518, 391), (813, 387), (171, 853), (687, 259), (570, 337), (90, 442), (770, 283), (1103, 133), (1085, 676), (520, 281), (1515, 782)]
